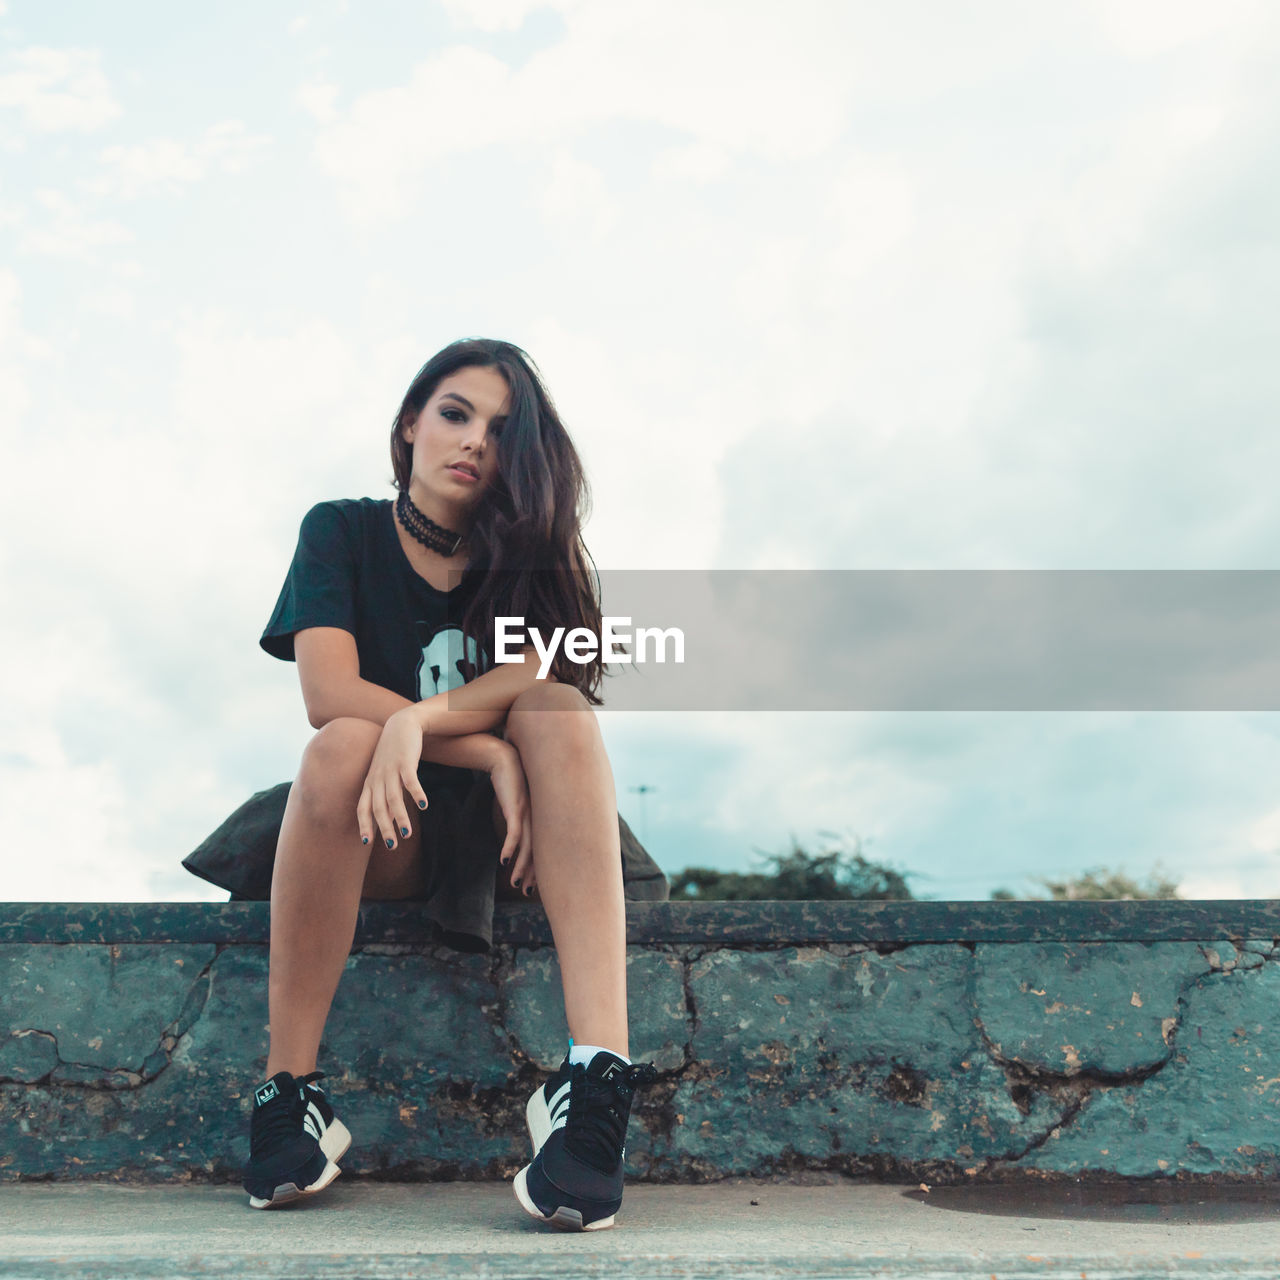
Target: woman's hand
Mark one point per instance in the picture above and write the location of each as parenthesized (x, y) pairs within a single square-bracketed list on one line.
[(512, 790), (392, 772)]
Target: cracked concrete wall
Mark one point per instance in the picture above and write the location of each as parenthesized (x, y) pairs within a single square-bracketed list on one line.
[(933, 1062)]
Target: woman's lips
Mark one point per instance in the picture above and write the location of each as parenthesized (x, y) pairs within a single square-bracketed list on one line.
[(463, 474)]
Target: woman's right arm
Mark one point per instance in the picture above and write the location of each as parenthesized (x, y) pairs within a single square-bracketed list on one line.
[(329, 670)]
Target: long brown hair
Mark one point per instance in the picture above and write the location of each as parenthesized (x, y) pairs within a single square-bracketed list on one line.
[(526, 539)]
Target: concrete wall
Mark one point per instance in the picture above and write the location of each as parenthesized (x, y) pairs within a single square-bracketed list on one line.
[(910, 1041)]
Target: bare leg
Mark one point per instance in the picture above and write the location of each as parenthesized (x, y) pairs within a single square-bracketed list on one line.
[(577, 858), (321, 872)]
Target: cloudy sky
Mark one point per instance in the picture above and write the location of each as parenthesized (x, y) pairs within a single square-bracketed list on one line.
[(828, 285)]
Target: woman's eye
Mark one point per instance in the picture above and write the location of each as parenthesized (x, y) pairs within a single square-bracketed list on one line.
[(444, 413)]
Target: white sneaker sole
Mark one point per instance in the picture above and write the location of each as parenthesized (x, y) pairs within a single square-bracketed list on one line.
[(336, 1140), (287, 1192), (563, 1218)]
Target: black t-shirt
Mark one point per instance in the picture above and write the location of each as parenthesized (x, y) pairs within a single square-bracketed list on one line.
[(350, 571)]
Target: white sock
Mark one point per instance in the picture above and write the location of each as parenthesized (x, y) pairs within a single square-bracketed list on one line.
[(585, 1052)]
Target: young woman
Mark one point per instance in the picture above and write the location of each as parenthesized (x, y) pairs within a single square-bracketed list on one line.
[(388, 610)]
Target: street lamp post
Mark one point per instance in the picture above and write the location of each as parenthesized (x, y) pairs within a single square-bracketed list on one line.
[(642, 791)]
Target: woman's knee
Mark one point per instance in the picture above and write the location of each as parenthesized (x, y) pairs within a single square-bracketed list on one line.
[(551, 713), (334, 766)]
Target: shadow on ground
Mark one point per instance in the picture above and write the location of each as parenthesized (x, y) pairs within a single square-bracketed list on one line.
[(1190, 1203)]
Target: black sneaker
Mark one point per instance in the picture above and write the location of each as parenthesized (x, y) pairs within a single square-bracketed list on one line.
[(285, 1157), (578, 1124)]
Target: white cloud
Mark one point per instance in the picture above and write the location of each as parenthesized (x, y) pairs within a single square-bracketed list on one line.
[(639, 418), (1227, 881), (58, 90), (574, 196), (1264, 834), (1149, 28), (697, 162), (55, 800), (157, 162), (780, 90), (133, 169), (118, 304), (874, 202), (229, 145), (22, 357), (145, 707), (14, 397), (319, 100), (1066, 373), (294, 395), (1106, 208), (112, 827), (66, 230), (77, 810), (387, 136), (500, 15)]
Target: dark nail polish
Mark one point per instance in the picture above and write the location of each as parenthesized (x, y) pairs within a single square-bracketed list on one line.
[(364, 839), (528, 890), (391, 844), (404, 831), (422, 804), (516, 882)]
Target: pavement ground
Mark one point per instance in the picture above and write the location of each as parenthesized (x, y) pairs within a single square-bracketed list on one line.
[(732, 1228)]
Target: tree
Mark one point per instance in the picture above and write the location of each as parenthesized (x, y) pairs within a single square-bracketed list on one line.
[(1097, 884), (839, 873)]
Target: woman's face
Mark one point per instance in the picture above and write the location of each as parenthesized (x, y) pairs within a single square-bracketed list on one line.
[(455, 442)]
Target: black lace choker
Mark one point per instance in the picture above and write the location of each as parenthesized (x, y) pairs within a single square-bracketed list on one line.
[(424, 528)]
